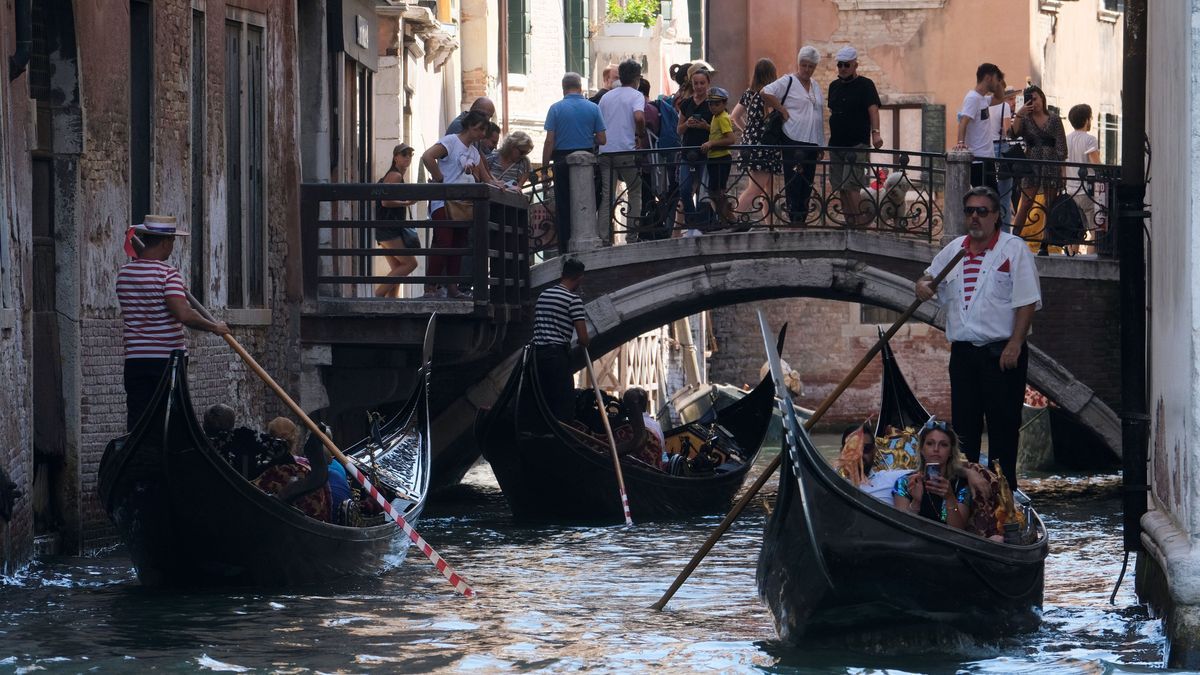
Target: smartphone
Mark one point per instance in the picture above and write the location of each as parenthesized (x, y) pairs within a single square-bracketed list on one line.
[(696, 116), (933, 470)]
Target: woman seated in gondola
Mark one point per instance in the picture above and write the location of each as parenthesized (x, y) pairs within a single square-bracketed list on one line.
[(938, 490), (301, 481)]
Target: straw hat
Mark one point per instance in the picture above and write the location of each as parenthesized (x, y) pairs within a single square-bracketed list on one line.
[(163, 226)]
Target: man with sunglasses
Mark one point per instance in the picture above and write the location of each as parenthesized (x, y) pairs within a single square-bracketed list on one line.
[(853, 125), (989, 298)]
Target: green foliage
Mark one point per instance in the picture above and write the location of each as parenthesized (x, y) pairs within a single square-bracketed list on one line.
[(644, 12)]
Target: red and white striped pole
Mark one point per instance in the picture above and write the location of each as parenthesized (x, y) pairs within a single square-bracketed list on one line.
[(460, 584)]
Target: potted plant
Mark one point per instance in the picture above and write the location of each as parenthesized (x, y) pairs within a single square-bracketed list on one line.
[(630, 18)]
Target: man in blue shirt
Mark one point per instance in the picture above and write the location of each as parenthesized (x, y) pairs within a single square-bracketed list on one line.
[(572, 124)]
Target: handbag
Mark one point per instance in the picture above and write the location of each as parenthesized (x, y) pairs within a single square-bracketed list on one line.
[(773, 126)]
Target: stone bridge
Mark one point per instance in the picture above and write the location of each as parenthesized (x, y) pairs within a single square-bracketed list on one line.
[(632, 288)]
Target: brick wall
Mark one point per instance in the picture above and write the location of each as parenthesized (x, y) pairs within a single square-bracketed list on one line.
[(825, 339)]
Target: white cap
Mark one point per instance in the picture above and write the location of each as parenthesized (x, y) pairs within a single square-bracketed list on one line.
[(847, 53)]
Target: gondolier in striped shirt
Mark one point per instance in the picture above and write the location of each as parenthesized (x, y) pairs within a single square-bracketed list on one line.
[(154, 309), (557, 316), (989, 300)]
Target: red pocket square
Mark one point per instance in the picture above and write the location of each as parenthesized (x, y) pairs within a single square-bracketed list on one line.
[(1004, 267)]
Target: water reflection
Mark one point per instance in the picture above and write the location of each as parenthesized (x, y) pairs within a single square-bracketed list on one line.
[(551, 598)]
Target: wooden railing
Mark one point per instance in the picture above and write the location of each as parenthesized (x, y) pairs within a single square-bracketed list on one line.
[(338, 249)]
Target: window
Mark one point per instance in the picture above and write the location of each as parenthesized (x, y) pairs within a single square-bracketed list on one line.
[(519, 28), (1114, 5), (696, 27), (244, 160), (141, 88), (578, 34), (870, 314), (1110, 138), (199, 240)]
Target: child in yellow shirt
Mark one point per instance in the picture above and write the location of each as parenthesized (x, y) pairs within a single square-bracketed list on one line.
[(720, 159)]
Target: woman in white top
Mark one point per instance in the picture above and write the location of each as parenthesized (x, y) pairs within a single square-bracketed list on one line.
[(447, 161), (797, 97)]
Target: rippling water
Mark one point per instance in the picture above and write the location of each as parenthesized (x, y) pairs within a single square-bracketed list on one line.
[(551, 598)]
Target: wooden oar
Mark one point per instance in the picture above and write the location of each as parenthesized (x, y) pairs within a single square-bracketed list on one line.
[(612, 441), (808, 425), (460, 584)]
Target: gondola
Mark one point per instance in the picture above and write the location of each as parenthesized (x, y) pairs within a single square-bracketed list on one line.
[(550, 471), (697, 403), (834, 559), (191, 519), (899, 407)]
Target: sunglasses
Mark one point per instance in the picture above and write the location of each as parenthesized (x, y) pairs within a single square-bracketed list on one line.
[(976, 210), (935, 423), (844, 64), (717, 102)]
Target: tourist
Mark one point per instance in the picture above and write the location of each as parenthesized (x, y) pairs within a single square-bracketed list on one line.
[(573, 124), (557, 316), (510, 165), (1044, 139), (491, 139), (798, 99), (482, 105), (858, 446), (1082, 148), (339, 488), (938, 489), (693, 128), (720, 160), (285, 430), (608, 79), (973, 132), (623, 111), (453, 159), (1000, 114), (396, 238), (154, 310), (299, 480), (219, 421), (749, 115), (650, 113), (989, 300), (853, 125), (647, 444)]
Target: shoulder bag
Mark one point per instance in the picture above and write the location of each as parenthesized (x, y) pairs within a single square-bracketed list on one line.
[(773, 127)]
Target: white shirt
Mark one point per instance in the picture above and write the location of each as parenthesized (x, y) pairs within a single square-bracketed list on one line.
[(806, 109), (996, 115), (654, 427), (978, 138), (1079, 145), (458, 161), (1008, 279), (617, 108), (880, 483)]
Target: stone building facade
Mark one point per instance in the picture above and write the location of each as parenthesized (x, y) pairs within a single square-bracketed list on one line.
[(206, 110)]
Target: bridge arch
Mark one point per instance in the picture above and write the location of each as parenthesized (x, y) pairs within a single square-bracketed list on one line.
[(626, 312)]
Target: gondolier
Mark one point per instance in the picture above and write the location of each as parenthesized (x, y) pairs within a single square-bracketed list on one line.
[(558, 314), (990, 299), (154, 309)]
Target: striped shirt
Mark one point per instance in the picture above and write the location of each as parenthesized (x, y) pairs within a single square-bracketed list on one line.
[(972, 264), (555, 315), (143, 287)]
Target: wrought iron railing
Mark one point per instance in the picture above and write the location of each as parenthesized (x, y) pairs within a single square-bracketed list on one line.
[(1062, 207), (773, 187)]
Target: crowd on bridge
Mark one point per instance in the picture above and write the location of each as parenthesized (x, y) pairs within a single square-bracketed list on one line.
[(670, 165)]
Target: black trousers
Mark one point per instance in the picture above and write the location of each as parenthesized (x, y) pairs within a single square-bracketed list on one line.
[(799, 172), (141, 380), (562, 198), (554, 376), (983, 172), (980, 391)]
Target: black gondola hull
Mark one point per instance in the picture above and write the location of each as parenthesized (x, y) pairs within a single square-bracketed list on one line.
[(548, 473), (189, 519), (885, 569)]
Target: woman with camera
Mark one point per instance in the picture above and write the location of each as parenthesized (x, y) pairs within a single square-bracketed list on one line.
[(938, 490)]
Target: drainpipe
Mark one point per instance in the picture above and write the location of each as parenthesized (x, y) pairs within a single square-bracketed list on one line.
[(503, 14), (1132, 214), (23, 17)]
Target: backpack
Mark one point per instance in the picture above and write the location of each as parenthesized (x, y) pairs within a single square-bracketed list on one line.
[(668, 137), (1065, 222)]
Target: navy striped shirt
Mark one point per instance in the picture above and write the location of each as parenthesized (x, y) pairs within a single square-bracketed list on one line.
[(555, 315)]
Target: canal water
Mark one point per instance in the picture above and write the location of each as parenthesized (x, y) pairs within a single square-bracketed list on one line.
[(554, 599)]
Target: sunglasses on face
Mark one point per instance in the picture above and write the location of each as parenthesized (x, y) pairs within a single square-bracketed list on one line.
[(976, 210), (844, 64)]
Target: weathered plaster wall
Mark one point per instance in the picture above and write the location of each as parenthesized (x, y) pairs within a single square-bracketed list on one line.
[(1079, 57), (16, 427)]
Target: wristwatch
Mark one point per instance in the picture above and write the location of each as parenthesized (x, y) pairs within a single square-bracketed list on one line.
[(874, 131)]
